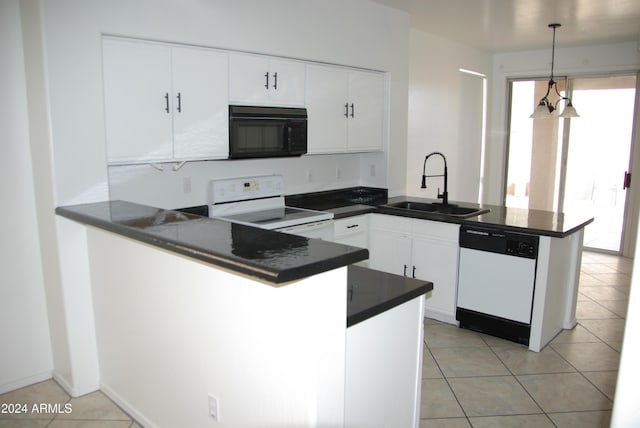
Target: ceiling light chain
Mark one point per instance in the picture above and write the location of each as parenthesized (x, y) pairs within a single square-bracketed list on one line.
[(545, 107)]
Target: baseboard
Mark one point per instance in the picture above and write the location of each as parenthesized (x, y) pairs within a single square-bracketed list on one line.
[(441, 316), (25, 381), (126, 406), (74, 391)]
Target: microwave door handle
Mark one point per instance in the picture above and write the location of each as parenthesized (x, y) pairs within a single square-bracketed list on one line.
[(287, 136)]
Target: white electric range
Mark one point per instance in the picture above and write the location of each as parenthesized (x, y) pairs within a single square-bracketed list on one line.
[(259, 202)]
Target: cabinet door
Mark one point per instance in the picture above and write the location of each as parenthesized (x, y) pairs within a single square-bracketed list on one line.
[(200, 100), (287, 82), (326, 95), (437, 261), (248, 82), (390, 252), (138, 102), (366, 111), (253, 81)]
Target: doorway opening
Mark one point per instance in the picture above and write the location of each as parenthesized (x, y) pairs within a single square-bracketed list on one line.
[(574, 164)]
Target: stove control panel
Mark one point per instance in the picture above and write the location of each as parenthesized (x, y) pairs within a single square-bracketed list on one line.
[(251, 186), (245, 188)]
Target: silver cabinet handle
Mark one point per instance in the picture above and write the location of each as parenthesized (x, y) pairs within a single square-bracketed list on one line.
[(179, 102), (405, 270), (275, 80), (346, 110), (352, 110), (266, 75), (166, 100), (414, 272)]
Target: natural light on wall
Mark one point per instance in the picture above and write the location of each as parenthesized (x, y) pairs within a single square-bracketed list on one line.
[(479, 131)]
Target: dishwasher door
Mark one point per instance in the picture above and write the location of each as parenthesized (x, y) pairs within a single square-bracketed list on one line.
[(496, 280), (496, 284)]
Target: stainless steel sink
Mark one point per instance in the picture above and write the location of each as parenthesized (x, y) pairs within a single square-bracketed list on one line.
[(436, 208)]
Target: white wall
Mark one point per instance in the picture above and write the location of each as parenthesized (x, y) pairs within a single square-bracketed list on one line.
[(71, 154), (445, 114), (25, 353), (188, 186), (626, 407), (179, 331), (587, 60)]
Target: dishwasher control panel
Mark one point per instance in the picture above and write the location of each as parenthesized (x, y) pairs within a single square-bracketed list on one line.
[(519, 248), (495, 241)]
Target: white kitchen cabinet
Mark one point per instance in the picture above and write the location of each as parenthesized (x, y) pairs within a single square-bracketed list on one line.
[(352, 231), (390, 244), (423, 249), (346, 110), (366, 111), (164, 103), (261, 80), (201, 104)]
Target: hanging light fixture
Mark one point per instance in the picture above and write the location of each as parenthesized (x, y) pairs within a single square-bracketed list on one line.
[(546, 107)]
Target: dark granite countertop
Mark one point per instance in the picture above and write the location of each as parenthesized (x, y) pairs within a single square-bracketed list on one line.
[(268, 255), (537, 222), (371, 292)]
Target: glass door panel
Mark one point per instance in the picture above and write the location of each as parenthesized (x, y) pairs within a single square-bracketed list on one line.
[(598, 156), (574, 164)]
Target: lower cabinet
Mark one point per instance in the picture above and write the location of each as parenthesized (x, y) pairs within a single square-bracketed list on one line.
[(422, 249), (353, 231)]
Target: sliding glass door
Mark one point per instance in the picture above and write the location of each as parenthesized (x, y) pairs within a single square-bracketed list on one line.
[(574, 164)]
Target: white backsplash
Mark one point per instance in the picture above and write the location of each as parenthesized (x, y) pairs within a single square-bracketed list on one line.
[(188, 186)]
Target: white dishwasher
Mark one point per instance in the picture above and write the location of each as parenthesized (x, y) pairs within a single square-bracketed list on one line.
[(496, 280)]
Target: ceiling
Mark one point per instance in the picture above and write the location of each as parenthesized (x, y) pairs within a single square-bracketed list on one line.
[(511, 25)]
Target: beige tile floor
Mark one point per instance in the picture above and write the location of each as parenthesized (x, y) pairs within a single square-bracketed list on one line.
[(469, 379), (474, 380)]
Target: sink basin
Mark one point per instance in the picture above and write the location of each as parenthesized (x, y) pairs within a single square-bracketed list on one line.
[(449, 209)]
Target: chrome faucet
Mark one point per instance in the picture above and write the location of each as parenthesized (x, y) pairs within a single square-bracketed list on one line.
[(444, 195)]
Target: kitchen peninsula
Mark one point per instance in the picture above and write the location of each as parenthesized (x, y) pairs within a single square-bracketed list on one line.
[(199, 319), (425, 244)]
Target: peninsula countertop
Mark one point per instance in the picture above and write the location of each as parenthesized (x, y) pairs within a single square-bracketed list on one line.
[(268, 255)]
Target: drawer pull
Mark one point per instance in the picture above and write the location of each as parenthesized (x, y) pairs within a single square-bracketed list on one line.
[(351, 226)]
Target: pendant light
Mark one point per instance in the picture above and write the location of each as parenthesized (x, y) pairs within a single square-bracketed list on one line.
[(546, 107)]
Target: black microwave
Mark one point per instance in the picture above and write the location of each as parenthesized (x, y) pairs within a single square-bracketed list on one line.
[(259, 132)]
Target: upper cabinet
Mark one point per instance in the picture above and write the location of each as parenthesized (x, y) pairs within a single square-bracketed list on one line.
[(170, 103), (164, 103), (262, 80), (346, 110)]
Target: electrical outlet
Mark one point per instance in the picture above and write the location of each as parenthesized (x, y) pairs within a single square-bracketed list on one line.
[(186, 185), (338, 173), (372, 170), (214, 410), (309, 176)]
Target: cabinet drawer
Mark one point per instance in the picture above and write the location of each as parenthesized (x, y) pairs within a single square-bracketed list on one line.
[(391, 222), (351, 225), (435, 230)]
